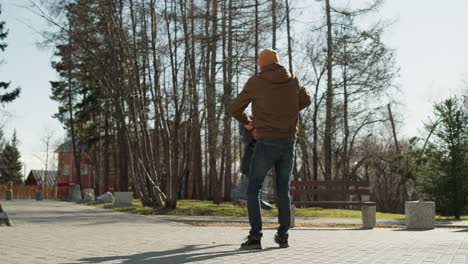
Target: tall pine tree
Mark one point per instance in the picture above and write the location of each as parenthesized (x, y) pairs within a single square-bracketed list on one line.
[(10, 164), (443, 176), (5, 95)]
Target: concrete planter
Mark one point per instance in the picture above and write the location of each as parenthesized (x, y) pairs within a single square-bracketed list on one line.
[(368, 214), (365, 198), (106, 198), (123, 198), (9, 194), (88, 194), (75, 195), (39, 195), (420, 215)]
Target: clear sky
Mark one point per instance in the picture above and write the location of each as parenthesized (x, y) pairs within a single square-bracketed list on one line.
[(430, 39), (28, 66)]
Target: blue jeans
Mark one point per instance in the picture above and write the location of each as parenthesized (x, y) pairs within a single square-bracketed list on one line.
[(269, 152)]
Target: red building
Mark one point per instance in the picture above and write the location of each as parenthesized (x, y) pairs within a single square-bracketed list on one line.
[(107, 175), (67, 173)]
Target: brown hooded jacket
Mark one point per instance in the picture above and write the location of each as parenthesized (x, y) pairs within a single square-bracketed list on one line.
[(277, 96)]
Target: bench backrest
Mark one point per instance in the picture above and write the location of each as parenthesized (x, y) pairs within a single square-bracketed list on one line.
[(329, 187)]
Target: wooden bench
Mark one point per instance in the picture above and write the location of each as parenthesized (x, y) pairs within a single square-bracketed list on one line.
[(301, 189)]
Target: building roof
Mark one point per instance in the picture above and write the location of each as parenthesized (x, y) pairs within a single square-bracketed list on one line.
[(67, 146), (38, 175)]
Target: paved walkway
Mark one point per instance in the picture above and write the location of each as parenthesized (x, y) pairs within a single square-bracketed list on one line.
[(311, 220), (59, 232)]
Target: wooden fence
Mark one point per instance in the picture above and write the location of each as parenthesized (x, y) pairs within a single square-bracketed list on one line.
[(29, 192)]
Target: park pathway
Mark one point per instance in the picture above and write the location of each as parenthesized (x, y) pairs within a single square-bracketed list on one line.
[(60, 232)]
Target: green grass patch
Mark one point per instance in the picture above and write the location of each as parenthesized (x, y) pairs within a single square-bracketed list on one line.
[(463, 217), (208, 208), (345, 213)]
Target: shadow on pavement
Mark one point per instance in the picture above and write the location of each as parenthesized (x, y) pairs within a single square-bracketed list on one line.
[(460, 231), (91, 217), (182, 255), (411, 230), (328, 229)]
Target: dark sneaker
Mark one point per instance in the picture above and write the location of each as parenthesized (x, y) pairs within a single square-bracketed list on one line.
[(281, 243), (251, 243), (266, 205)]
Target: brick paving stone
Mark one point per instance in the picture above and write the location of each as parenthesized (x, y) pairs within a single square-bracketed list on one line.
[(60, 232)]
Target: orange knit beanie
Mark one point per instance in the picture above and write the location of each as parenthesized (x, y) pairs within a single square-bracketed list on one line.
[(268, 56)]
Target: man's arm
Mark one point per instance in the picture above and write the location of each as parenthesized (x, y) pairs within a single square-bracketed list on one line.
[(237, 107), (304, 97)]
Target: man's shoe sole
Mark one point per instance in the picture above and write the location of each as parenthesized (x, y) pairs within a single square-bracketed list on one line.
[(251, 247), (281, 244)]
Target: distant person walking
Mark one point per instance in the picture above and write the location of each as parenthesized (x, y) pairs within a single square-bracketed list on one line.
[(277, 96)]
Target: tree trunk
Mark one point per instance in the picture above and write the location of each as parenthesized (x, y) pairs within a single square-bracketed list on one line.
[(273, 24), (106, 154), (288, 28), (256, 37), (196, 160), (174, 176), (327, 144), (397, 147), (76, 152), (212, 120), (346, 160), (123, 160), (227, 117)]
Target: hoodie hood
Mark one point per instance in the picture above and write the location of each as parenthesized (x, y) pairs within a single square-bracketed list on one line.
[(275, 73)]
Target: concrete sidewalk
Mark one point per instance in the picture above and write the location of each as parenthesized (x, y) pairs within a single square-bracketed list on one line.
[(311, 220), (59, 232)]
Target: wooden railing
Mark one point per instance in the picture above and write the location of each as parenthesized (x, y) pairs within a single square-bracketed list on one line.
[(29, 192)]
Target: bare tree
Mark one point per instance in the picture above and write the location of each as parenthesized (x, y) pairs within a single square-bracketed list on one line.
[(327, 144)]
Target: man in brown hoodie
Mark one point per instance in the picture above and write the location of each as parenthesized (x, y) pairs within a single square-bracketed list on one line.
[(277, 96)]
